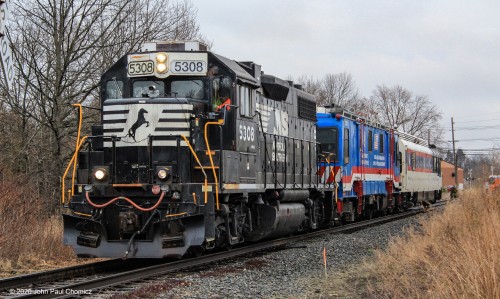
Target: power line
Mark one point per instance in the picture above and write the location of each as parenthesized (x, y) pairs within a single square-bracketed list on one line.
[(477, 139), (471, 121), (468, 126), (476, 121), (477, 128), (480, 150), (481, 114)]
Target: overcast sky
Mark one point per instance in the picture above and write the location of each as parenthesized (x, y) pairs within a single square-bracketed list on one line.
[(447, 50)]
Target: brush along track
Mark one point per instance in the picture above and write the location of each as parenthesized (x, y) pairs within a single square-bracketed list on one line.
[(59, 283)]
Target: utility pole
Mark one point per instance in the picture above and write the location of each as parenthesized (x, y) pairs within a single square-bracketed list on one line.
[(454, 153), (470, 178)]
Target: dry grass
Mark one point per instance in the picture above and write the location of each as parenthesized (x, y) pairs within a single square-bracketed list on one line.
[(30, 239), (454, 255)]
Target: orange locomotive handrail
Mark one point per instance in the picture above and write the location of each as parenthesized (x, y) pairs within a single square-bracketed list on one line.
[(71, 163), (80, 117), (201, 167), (73, 160), (219, 122)]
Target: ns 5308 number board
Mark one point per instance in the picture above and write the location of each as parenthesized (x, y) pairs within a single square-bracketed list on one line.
[(162, 64)]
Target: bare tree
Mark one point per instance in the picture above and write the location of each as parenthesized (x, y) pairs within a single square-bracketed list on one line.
[(339, 89), (398, 108), (312, 86), (334, 89), (61, 47)]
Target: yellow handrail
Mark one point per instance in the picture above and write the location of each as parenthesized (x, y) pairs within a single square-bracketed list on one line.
[(219, 122), (71, 162), (80, 117), (175, 215), (81, 214), (198, 161)]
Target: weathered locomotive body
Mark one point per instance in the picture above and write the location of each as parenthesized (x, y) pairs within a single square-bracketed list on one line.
[(195, 151)]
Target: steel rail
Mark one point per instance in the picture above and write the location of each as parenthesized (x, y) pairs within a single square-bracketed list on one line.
[(156, 270), (34, 279)]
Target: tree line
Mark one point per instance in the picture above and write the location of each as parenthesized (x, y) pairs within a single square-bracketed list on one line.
[(60, 50), (398, 107), (395, 106)]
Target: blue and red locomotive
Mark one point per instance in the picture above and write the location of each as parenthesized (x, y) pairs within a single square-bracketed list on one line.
[(375, 169), (195, 152)]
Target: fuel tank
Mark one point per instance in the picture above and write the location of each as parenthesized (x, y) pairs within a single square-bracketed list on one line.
[(277, 220)]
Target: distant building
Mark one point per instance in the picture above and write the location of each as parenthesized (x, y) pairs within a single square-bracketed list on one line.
[(448, 170)]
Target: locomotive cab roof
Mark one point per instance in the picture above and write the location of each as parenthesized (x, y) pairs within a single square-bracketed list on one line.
[(332, 111), (244, 71), (174, 46), (241, 72)]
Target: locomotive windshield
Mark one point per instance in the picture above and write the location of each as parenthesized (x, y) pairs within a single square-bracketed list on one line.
[(114, 89), (182, 88), (190, 88), (328, 138)]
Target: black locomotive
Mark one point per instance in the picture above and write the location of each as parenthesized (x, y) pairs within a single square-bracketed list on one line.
[(194, 152)]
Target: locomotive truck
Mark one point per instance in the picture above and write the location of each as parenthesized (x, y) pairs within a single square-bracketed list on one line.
[(195, 151)]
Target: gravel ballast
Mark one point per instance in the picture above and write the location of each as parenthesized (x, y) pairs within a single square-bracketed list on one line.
[(285, 272)]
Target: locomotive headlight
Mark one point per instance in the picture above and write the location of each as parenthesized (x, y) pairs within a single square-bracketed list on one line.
[(161, 57), (162, 63), (161, 68), (163, 173), (100, 174)]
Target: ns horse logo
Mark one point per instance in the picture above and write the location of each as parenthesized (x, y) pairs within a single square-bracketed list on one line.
[(140, 121)]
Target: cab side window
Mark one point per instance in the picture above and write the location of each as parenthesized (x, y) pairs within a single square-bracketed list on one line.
[(246, 100)]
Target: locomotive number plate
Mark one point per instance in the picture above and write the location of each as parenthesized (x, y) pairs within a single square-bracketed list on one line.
[(188, 67), (140, 68)]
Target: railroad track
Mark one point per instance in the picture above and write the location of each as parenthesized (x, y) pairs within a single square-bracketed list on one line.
[(89, 279)]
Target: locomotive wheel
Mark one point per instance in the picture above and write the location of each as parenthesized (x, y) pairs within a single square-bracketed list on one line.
[(222, 241)]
